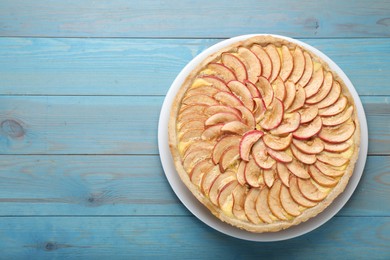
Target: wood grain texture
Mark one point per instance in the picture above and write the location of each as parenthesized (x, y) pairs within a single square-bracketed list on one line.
[(132, 185), (120, 18), (47, 66), (182, 238)]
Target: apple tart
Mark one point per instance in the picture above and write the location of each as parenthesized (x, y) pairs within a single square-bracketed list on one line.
[(264, 134)]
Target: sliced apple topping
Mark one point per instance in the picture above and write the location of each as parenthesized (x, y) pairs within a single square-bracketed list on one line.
[(328, 170), (273, 116), (219, 184), (220, 71), (269, 177), (259, 153), (235, 127), (199, 99), (279, 89), (252, 89), (289, 124), (212, 132), (191, 135), (205, 90), (229, 157), (266, 90), (310, 191), (310, 146), (290, 94), (247, 142), (298, 169), (339, 118), (337, 148), (221, 118), (235, 64), (324, 90), (298, 65), (199, 170), (225, 197), (337, 134), (222, 145), (308, 130), (194, 157), (332, 159), (262, 208), (308, 70), (227, 99), (308, 114), (253, 174), (242, 92), (332, 97), (196, 146), (216, 82), (321, 178), (303, 157), (208, 179), (287, 63), (191, 110), (247, 116), (275, 60), (283, 173), (252, 63), (277, 143), (334, 109), (297, 195), (241, 172), (288, 204), (239, 195), (315, 83), (259, 109), (274, 201), (279, 156), (265, 60), (194, 124), (212, 110), (250, 206), (299, 99)]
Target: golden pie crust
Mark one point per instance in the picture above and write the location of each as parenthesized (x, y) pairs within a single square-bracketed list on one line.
[(287, 175)]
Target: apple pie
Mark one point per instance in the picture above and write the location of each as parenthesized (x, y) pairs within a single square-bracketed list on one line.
[(264, 133)]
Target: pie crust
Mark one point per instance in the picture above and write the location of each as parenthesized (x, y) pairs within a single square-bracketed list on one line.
[(271, 174)]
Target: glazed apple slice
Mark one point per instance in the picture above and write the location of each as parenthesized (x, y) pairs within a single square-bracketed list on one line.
[(225, 197), (279, 156), (199, 170), (332, 97), (199, 99), (193, 124), (235, 127), (264, 60), (297, 195), (290, 94), (229, 157), (212, 110), (315, 83), (337, 148), (247, 142), (208, 179), (241, 172), (299, 100), (339, 118), (298, 65), (308, 114), (239, 195), (273, 116), (235, 64), (288, 204), (194, 157), (216, 82), (309, 147), (332, 159), (334, 109), (250, 206), (220, 71), (289, 124), (259, 109), (308, 130), (242, 92), (259, 153), (269, 177), (297, 169), (308, 71), (205, 90), (275, 60), (277, 143), (219, 183), (191, 135), (252, 63), (253, 174), (274, 201), (188, 117), (212, 132), (303, 157), (279, 89), (337, 134), (192, 110), (221, 118), (328, 170), (196, 146), (310, 191), (283, 173), (323, 91), (266, 90), (252, 89), (247, 116), (222, 145), (262, 208), (321, 178), (287, 63), (227, 99)]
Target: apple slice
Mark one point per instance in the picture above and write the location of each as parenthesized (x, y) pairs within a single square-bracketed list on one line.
[(332, 97), (192, 110), (241, 172), (225, 197), (250, 206), (321, 178), (297, 169), (222, 145), (199, 170), (259, 153), (212, 110), (194, 157), (324, 90), (205, 90), (288, 204), (194, 124), (259, 109), (303, 157), (266, 90), (220, 71), (196, 146), (262, 208), (242, 92), (227, 99), (290, 94), (277, 143), (308, 71), (235, 127), (188, 117), (212, 132), (265, 60), (309, 147), (284, 174), (337, 134), (269, 177), (274, 201), (315, 83), (235, 64), (337, 148), (332, 159), (297, 195), (298, 65), (308, 130), (247, 142), (253, 174), (299, 100), (229, 157), (279, 156), (287, 63), (310, 191), (289, 124), (308, 114), (191, 135), (275, 60), (221, 118), (219, 184), (328, 170), (239, 195), (252, 63), (252, 89), (334, 109), (208, 179), (247, 116), (273, 116), (279, 89), (339, 118), (199, 99), (216, 82)]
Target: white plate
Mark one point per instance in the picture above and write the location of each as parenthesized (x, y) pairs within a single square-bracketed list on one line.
[(201, 211)]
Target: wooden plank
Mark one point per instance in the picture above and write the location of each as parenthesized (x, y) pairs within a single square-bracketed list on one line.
[(120, 18), (132, 185), (181, 238), (115, 125), (41, 66)]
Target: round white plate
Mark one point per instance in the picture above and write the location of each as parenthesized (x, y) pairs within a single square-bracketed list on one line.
[(201, 211)]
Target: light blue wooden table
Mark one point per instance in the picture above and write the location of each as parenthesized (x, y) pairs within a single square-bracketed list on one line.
[(81, 87)]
